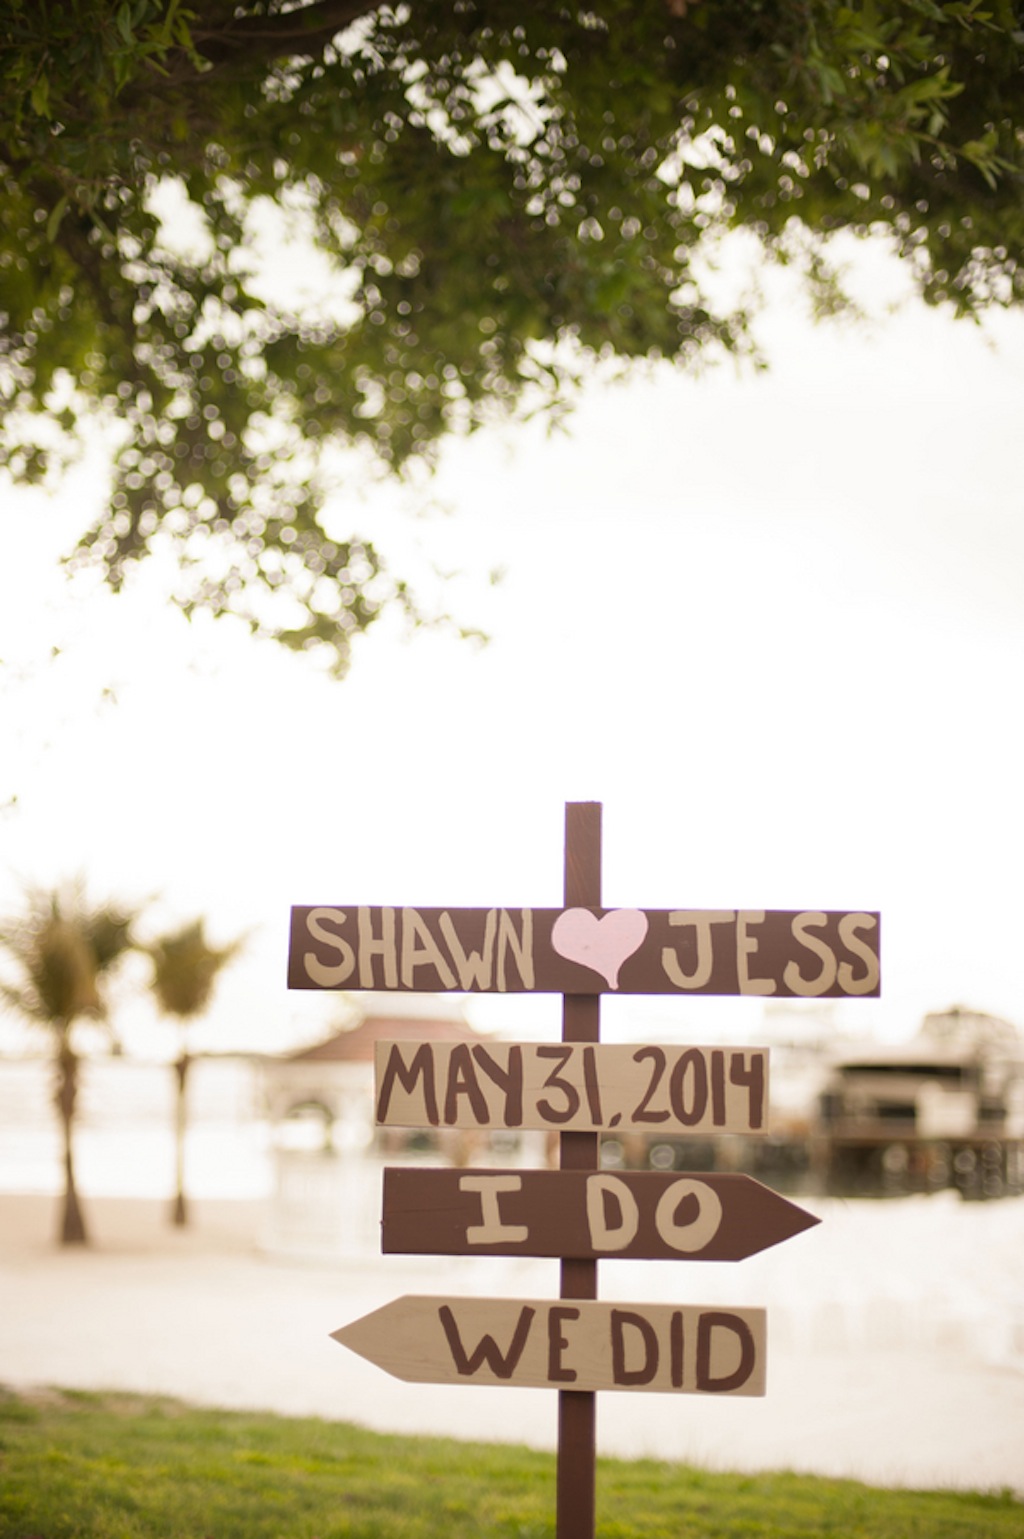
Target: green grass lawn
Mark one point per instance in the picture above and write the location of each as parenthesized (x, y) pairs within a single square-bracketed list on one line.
[(112, 1466)]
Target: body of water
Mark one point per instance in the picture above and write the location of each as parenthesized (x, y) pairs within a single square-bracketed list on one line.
[(124, 1137)]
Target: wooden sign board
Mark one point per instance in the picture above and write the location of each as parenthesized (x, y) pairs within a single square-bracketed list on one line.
[(578, 1345), (591, 1087), (589, 1214), (791, 954)]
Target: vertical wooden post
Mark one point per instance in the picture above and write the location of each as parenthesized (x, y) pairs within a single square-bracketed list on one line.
[(581, 1022)]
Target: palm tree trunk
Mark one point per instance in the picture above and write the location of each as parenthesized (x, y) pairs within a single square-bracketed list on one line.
[(73, 1231), (179, 1209)]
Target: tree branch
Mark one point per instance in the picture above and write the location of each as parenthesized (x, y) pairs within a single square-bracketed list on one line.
[(307, 29)]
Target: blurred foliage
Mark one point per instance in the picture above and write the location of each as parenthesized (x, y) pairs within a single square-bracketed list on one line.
[(185, 972), (498, 195), (186, 968), (63, 948)]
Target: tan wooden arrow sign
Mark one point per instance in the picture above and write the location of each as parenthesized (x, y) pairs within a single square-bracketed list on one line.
[(589, 1214), (579, 1345)]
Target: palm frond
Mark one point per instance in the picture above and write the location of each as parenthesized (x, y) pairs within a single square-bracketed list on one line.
[(186, 968)]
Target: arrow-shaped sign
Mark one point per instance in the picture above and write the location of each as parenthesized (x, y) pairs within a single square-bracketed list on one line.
[(586, 1214), (577, 1345)]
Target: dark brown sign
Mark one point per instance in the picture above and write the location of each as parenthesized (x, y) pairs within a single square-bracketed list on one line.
[(595, 1215), (577, 951), (571, 1086), (690, 1349)]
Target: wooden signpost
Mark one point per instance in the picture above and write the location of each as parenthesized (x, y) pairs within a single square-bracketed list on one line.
[(578, 1088)]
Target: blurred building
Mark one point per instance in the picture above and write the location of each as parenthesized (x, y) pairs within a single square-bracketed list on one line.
[(944, 1110), (327, 1150), (320, 1098)]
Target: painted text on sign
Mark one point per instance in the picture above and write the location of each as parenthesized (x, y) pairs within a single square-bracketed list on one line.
[(578, 1345), (796, 954), (571, 1087), (654, 1215)]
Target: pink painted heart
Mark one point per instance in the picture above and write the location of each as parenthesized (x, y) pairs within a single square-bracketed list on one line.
[(601, 944)]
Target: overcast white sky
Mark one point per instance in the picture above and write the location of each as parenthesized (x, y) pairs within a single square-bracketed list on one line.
[(774, 624)]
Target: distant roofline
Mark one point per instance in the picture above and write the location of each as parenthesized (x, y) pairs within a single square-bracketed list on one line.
[(355, 1044)]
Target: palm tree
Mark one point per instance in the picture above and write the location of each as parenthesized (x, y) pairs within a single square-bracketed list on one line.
[(185, 970), (65, 949)]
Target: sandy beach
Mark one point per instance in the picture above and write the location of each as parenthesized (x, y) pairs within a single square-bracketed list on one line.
[(895, 1334)]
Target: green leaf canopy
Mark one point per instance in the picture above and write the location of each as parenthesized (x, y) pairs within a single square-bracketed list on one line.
[(497, 194)]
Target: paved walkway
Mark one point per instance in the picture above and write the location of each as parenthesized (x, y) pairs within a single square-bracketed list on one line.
[(895, 1355)]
